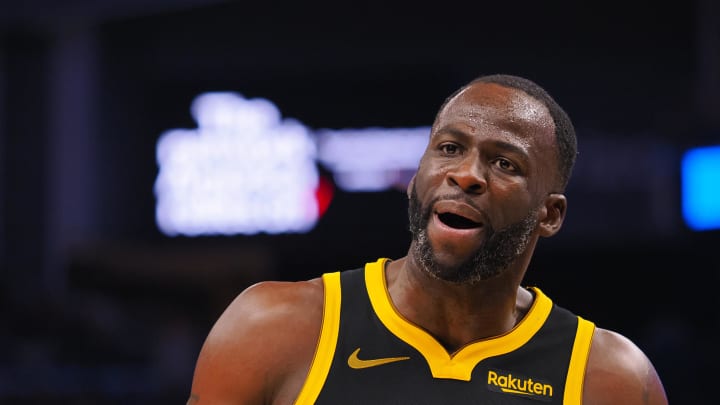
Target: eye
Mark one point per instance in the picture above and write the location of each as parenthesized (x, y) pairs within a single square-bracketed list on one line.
[(505, 164), (449, 148)]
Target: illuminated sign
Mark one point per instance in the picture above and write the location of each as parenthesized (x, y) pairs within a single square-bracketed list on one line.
[(246, 170), (372, 159)]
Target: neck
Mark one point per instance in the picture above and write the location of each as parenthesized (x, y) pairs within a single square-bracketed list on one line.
[(457, 314)]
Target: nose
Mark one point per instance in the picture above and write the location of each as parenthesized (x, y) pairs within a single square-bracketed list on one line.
[(469, 176)]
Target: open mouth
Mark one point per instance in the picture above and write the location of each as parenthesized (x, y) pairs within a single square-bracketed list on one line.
[(457, 221)]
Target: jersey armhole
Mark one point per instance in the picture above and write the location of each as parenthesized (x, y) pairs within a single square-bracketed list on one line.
[(578, 362), (327, 341)]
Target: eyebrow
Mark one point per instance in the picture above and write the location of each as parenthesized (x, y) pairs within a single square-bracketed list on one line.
[(506, 146), (512, 148)]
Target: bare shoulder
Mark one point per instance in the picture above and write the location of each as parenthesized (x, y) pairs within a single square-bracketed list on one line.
[(261, 346), (618, 372)]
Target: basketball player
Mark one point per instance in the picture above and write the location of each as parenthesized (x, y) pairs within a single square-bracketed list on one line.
[(451, 322)]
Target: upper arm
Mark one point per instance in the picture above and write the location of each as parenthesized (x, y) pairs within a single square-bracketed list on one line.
[(261, 346), (618, 372)]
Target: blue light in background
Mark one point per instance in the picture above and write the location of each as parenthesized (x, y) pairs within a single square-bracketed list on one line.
[(701, 188)]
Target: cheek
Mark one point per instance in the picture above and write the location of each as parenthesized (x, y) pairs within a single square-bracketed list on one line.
[(511, 202), (428, 177)]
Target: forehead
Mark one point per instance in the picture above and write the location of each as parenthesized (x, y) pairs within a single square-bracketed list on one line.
[(511, 111)]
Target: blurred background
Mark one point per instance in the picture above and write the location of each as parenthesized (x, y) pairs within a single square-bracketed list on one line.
[(134, 141)]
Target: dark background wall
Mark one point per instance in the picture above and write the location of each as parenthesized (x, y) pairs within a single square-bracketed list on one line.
[(99, 307)]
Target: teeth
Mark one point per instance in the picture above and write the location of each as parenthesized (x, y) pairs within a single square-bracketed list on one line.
[(457, 221)]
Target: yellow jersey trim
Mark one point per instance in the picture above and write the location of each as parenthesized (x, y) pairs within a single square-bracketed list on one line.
[(327, 342), (458, 365), (578, 362)]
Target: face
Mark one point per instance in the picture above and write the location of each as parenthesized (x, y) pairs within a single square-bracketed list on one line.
[(480, 195)]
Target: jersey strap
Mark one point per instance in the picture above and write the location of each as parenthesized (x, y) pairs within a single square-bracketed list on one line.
[(326, 343), (578, 362)]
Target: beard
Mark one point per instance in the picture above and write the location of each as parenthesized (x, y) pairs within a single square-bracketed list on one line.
[(498, 251)]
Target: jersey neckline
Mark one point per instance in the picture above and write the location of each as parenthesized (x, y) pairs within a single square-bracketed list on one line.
[(460, 364)]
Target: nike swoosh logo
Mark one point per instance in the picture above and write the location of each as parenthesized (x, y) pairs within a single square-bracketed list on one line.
[(356, 363)]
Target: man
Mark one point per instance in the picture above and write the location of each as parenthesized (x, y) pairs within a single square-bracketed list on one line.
[(450, 323)]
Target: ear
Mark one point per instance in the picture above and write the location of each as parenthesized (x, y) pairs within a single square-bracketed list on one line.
[(410, 186), (555, 208)]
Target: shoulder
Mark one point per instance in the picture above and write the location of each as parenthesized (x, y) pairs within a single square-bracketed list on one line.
[(269, 307), (262, 344), (618, 372), (272, 301)]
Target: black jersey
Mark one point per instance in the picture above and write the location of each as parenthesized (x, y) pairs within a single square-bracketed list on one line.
[(369, 354)]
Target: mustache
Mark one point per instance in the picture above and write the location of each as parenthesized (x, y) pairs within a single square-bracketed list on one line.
[(461, 197), (419, 214)]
